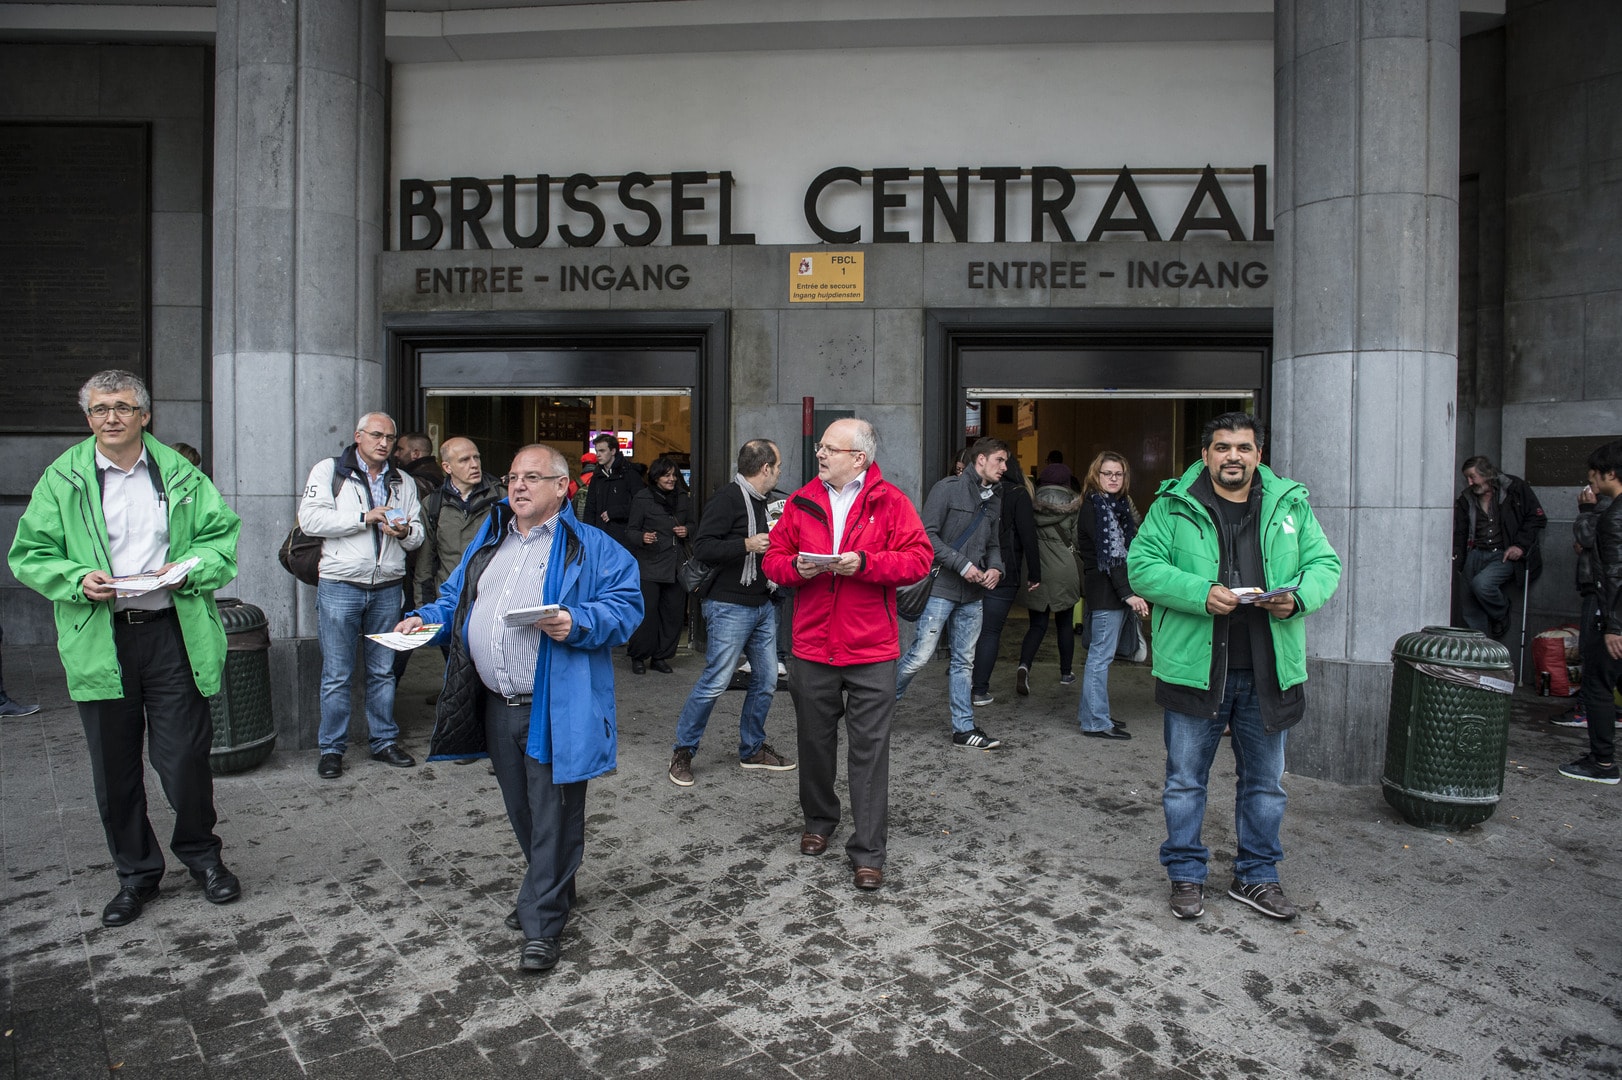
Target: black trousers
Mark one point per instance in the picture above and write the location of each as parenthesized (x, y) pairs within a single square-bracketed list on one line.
[(548, 819), (160, 704), (1601, 676), (864, 697), (664, 607)]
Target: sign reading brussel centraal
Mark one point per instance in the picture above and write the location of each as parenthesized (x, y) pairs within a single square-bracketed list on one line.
[(907, 205)]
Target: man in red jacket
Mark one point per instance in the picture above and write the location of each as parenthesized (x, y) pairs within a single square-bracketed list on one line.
[(845, 541)]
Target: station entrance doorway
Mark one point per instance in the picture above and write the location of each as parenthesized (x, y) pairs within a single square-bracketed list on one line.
[(655, 382), (1060, 387)]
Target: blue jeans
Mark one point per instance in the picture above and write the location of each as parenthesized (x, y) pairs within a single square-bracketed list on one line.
[(1485, 601), (344, 613), (734, 630), (1093, 713), (1258, 810), (964, 623)]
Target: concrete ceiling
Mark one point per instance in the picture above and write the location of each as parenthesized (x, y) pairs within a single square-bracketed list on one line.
[(429, 31)]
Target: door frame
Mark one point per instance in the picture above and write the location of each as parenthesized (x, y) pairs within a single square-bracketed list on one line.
[(1107, 333), (703, 333)]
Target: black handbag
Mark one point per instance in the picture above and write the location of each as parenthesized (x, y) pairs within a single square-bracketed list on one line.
[(696, 575), (910, 600)]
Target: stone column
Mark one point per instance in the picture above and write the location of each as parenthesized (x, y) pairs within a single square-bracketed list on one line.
[(298, 222), (1365, 338)]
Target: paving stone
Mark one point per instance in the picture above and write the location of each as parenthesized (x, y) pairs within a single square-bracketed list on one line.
[(1022, 929)]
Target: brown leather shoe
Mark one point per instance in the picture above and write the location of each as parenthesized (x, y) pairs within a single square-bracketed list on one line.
[(869, 877), (812, 844)]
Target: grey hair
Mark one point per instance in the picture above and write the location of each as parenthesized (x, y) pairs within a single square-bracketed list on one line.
[(112, 381), (865, 439), (1482, 464), (360, 425)]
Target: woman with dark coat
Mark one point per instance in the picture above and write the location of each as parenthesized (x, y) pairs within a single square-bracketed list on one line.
[(1105, 528), (1055, 511), (1019, 552), (657, 528)]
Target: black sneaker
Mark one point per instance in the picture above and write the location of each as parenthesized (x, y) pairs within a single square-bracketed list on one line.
[(1022, 682), (1586, 768), (1266, 897), (981, 697), (1187, 899), (975, 739)]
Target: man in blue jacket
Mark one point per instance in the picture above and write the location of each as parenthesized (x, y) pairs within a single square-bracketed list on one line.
[(537, 697)]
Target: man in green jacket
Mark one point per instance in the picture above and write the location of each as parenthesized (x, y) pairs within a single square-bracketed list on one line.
[(1232, 559), (141, 661)]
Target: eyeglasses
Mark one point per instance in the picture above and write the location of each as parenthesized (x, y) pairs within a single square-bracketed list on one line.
[(824, 448), (385, 436), (123, 408), (530, 479), (1113, 475)]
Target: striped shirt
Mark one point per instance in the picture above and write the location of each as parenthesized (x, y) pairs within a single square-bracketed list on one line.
[(505, 656)]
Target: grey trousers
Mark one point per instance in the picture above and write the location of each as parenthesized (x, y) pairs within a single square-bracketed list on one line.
[(864, 697), (548, 819)]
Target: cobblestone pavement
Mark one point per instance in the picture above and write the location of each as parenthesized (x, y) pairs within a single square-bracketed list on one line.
[(1022, 929)]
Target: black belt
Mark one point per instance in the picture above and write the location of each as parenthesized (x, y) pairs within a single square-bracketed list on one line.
[(512, 701), (137, 616)]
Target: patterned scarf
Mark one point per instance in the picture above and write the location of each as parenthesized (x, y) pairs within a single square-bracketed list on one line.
[(1117, 524), (751, 561)]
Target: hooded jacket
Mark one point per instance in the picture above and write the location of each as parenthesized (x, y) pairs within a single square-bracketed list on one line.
[(62, 536), (1177, 557), (950, 508), (846, 621), (1055, 511), (355, 552), (572, 715)]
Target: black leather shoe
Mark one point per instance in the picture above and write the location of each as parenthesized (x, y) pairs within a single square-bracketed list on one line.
[(1111, 733), (661, 667), (540, 954), (331, 767), (125, 908), (638, 667), (512, 920), (393, 755), (220, 886)]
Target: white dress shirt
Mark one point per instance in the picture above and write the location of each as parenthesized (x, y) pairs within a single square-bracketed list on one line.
[(137, 527), (840, 502)]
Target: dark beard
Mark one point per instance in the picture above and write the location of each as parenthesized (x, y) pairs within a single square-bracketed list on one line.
[(1237, 485)]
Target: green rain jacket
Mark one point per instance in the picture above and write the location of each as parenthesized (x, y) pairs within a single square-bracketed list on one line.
[(1174, 561), (62, 537)]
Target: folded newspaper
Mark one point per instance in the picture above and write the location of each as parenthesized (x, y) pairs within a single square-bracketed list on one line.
[(141, 584), (406, 642), (1253, 595)]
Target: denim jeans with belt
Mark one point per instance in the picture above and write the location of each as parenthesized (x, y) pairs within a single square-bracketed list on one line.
[(1258, 811)]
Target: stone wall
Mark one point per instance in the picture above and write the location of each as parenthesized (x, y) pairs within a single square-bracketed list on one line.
[(170, 88)]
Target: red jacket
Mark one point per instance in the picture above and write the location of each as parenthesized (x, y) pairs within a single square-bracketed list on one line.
[(846, 621)]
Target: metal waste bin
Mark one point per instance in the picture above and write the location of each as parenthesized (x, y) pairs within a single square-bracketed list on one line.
[(1448, 732), (244, 725)]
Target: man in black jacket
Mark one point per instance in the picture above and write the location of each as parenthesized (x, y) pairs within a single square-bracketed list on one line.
[(1602, 624), (738, 614), (1497, 522), (608, 499)]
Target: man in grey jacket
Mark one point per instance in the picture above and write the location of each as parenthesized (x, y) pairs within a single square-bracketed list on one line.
[(961, 517)]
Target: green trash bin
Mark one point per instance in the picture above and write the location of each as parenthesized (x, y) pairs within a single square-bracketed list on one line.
[(244, 725), (1448, 731)]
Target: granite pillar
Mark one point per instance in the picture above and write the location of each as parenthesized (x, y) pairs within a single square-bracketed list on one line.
[(298, 222), (1366, 338)]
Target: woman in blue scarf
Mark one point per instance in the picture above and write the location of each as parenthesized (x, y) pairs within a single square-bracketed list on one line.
[(1105, 527)]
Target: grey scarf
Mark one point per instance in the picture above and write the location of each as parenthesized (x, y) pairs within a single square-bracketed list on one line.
[(751, 561)]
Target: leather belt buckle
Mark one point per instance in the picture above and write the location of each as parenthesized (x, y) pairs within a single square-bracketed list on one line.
[(137, 616), (512, 701)]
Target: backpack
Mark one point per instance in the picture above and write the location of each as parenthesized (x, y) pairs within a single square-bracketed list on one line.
[(300, 553)]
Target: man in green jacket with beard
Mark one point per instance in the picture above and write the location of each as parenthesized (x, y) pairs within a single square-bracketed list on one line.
[(140, 666), (1216, 553)]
